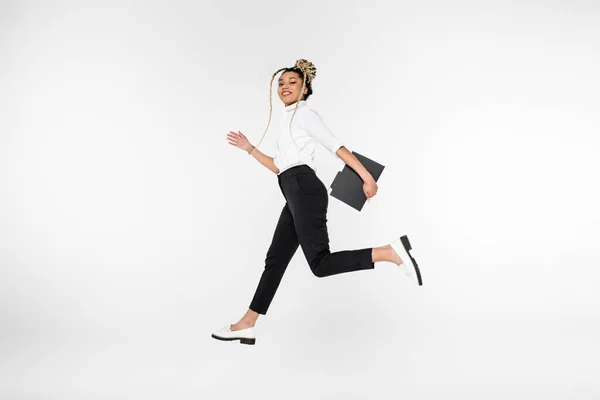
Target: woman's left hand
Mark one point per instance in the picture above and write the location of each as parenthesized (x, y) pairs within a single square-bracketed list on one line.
[(370, 188)]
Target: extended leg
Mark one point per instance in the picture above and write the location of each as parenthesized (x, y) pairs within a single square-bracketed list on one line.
[(281, 251)]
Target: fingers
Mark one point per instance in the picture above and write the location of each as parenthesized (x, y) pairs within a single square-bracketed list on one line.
[(370, 192), (236, 135), (233, 137), (237, 139)]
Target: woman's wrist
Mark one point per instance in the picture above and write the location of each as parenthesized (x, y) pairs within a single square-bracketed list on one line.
[(366, 177), (251, 149)]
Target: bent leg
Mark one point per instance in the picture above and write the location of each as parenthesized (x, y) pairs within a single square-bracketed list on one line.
[(314, 239), (282, 249), (310, 219)]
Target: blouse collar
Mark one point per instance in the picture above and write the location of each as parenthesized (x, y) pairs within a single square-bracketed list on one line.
[(291, 107)]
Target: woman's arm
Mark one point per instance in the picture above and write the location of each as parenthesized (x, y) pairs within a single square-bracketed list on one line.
[(369, 183), (351, 160), (264, 160), (313, 124), (238, 139)]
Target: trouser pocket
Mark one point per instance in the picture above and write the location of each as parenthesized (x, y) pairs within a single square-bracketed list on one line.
[(309, 183)]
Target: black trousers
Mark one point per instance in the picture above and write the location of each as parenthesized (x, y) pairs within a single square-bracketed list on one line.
[(303, 222)]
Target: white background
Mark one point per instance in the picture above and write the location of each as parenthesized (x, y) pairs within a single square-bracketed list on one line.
[(130, 229)]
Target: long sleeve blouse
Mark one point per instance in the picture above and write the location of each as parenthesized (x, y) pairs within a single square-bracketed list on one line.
[(308, 129)]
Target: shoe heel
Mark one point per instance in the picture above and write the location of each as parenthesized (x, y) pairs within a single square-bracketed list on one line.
[(408, 247), (406, 242), (247, 341)]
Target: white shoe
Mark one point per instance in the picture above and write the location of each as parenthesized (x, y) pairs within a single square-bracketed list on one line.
[(245, 336), (409, 265)]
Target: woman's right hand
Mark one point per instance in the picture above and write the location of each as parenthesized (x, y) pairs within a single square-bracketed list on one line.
[(238, 139)]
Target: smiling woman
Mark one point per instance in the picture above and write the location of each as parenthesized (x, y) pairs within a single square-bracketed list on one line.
[(303, 219), (289, 89), (288, 86)]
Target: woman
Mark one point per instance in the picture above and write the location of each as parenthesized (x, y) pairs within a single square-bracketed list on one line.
[(303, 220)]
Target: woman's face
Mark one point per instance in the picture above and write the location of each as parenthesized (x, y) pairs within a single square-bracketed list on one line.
[(289, 87)]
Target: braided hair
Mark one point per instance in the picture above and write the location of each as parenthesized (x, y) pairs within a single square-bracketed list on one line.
[(307, 71)]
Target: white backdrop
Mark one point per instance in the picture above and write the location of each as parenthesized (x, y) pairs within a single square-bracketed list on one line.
[(130, 229)]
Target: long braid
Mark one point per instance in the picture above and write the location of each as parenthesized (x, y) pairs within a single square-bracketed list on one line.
[(296, 108), (308, 75), (270, 104)]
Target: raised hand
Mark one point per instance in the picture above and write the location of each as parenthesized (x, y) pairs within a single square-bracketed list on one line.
[(238, 139)]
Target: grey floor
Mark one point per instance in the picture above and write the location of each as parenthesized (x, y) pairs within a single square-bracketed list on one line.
[(417, 360)]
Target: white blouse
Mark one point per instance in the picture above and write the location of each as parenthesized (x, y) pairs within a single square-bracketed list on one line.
[(308, 128)]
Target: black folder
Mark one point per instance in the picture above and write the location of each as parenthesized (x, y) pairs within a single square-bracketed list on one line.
[(347, 186)]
